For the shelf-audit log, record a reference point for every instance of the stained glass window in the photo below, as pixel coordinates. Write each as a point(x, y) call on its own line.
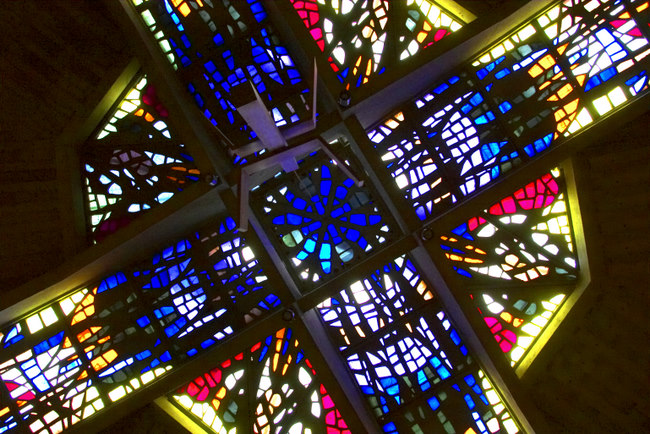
point(320, 218)
point(134, 164)
point(516, 321)
point(270, 388)
point(525, 237)
point(95, 346)
point(541, 84)
point(361, 39)
point(547, 80)
point(410, 362)
point(374, 302)
point(216, 46)
point(231, 292)
point(452, 149)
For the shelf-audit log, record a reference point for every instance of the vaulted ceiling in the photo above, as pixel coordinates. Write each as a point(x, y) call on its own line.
point(58, 61)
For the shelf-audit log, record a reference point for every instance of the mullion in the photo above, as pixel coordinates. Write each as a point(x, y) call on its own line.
point(266, 265)
point(414, 127)
point(561, 59)
point(331, 288)
point(518, 237)
point(375, 167)
point(396, 17)
point(348, 29)
point(410, 295)
point(115, 106)
point(262, 265)
point(28, 342)
point(478, 337)
point(450, 179)
point(233, 310)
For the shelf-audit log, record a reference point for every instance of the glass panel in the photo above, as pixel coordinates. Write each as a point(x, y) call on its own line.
point(135, 164)
point(216, 46)
point(407, 358)
point(524, 238)
point(516, 320)
point(546, 81)
point(374, 302)
point(79, 354)
point(320, 219)
point(270, 388)
point(360, 39)
point(445, 150)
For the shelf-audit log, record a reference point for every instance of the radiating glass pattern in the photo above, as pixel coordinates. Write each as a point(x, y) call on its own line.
point(217, 45)
point(320, 218)
point(409, 361)
point(270, 388)
point(552, 77)
point(134, 164)
point(77, 355)
point(360, 39)
point(526, 237)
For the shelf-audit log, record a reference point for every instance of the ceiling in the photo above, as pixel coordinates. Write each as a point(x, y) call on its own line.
point(58, 61)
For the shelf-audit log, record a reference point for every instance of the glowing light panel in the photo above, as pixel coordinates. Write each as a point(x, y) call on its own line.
point(574, 64)
point(407, 358)
point(355, 36)
point(524, 237)
point(216, 46)
point(78, 355)
point(320, 218)
point(134, 164)
point(270, 388)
